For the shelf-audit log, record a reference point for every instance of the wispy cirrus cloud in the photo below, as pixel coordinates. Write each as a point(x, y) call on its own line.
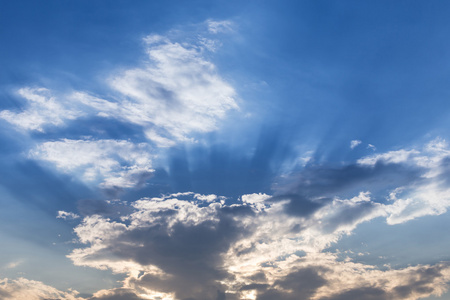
point(178, 92)
point(42, 109)
point(175, 92)
point(219, 26)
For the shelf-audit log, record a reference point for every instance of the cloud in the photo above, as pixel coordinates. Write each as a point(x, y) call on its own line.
point(408, 183)
point(354, 144)
point(13, 264)
point(168, 98)
point(191, 246)
point(219, 26)
point(43, 110)
point(113, 163)
point(365, 283)
point(195, 246)
point(66, 215)
point(24, 289)
point(175, 92)
point(170, 245)
point(394, 157)
point(428, 194)
point(120, 294)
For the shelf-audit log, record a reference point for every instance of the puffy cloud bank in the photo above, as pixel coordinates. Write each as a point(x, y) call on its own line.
point(190, 246)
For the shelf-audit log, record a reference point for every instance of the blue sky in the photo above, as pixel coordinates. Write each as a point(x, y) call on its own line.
point(179, 150)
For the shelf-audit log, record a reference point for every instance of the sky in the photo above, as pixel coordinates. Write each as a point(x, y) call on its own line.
point(224, 150)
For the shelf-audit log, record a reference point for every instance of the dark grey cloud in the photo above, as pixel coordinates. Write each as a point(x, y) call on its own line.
point(119, 294)
point(420, 283)
point(255, 286)
point(298, 285)
point(363, 293)
point(189, 254)
point(317, 181)
point(4, 294)
point(300, 205)
point(315, 186)
point(349, 215)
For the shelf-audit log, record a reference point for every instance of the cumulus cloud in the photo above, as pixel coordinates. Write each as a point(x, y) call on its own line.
point(347, 280)
point(113, 163)
point(170, 245)
point(191, 246)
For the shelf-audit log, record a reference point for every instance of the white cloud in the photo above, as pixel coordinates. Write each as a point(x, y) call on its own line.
point(42, 110)
point(66, 215)
point(370, 146)
point(115, 163)
point(271, 242)
point(418, 201)
point(428, 194)
point(264, 260)
point(354, 144)
point(219, 26)
point(24, 289)
point(176, 92)
point(394, 157)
